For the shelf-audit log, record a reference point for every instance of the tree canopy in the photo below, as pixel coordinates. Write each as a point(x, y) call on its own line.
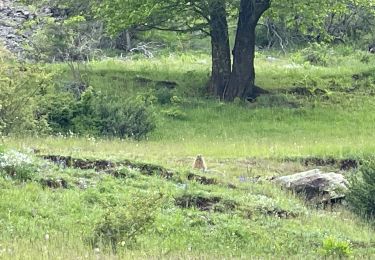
point(231, 76)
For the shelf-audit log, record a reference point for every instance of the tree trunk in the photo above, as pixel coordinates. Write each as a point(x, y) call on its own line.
point(128, 41)
point(242, 79)
point(221, 60)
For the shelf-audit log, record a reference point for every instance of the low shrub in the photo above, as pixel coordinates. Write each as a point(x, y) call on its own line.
point(122, 224)
point(315, 54)
point(175, 113)
point(361, 196)
point(21, 90)
point(335, 248)
point(17, 166)
point(95, 114)
point(128, 119)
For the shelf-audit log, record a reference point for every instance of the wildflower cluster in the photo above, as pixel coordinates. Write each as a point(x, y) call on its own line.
point(17, 165)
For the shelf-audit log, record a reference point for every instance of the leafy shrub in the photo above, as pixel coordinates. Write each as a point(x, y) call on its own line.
point(128, 119)
point(21, 90)
point(361, 195)
point(68, 40)
point(122, 224)
point(17, 165)
point(58, 108)
point(86, 119)
point(365, 58)
point(335, 248)
point(163, 95)
point(96, 114)
point(175, 112)
point(316, 54)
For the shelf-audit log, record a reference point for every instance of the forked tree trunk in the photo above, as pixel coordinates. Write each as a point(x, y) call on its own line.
point(242, 79)
point(221, 60)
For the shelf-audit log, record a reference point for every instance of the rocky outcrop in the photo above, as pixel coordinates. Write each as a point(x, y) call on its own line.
point(316, 186)
point(12, 18)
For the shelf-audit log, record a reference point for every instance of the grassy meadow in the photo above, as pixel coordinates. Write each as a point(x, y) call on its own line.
point(313, 110)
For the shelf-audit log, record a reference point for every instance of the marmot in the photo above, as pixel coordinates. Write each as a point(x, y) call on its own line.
point(199, 163)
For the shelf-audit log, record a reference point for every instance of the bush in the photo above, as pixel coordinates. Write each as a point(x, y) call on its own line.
point(17, 165)
point(122, 224)
point(175, 113)
point(21, 90)
point(128, 119)
point(361, 195)
point(58, 108)
point(96, 114)
point(335, 248)
point(163, 95)
point(316, 54)
point(71, 39)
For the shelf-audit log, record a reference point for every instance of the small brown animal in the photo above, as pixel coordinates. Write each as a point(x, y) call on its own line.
point(199, 163)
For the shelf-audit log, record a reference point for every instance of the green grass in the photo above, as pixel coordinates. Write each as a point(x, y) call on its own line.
point(281, 126)
point(242, 139)
point(30, 212)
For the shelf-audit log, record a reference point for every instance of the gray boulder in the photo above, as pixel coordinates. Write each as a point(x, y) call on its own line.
point(316, 186)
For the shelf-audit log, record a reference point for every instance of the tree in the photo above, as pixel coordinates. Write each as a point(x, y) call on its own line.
point(207, 16)
point(242, 79)
point(220, 48)
point(211, 17)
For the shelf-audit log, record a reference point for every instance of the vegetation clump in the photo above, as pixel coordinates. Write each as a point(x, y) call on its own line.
point(336, 248)
point(17, 166)
point(362, 190)
point(122, 224)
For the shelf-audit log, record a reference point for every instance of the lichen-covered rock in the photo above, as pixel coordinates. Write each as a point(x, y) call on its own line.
point(13, 33)
point(12, 19)
point(316, 185)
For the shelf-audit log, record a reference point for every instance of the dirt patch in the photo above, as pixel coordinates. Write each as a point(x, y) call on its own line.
point(68, 161)
point(201, 179)
point(54, 183)
point(203, 203)
point(307, 92)
point(280, 213)
point(342, 164)
point(348, 164)
point(109, 166)
point(158, 83)
point(151, 169)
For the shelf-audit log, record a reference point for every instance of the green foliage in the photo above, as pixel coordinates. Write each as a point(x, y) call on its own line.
point(362, 190)
point(95, 114)
point(163, 95)
point(126, 119)
point(70, 39)
point(175, 112)
point(122, 224)
point(335, 248)
point(316, 54)
point(22, 87)
point(17, 166)
point(319, 21)
point(85, 119)
point(279, 100)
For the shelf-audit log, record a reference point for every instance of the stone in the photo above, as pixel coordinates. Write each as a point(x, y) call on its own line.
point(13, 15)
point(316, 185)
